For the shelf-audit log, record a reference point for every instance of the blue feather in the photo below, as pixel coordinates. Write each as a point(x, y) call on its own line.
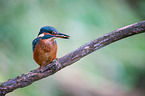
point(47, 36)
point(35, 41)
point(47, 29)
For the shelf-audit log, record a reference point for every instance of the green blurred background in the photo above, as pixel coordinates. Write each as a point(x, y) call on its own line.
point(115, 70)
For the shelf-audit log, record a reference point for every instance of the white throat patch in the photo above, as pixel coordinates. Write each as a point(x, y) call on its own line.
point(41, 35)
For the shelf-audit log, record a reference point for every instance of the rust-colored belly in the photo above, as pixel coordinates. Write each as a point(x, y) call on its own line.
point(45, 52)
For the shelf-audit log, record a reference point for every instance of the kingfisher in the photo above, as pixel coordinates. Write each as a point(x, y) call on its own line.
point(45, 46)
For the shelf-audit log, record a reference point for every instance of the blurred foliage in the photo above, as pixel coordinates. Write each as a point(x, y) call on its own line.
point(115, 70)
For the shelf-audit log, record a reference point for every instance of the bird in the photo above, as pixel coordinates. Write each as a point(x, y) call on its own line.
point(45, 46)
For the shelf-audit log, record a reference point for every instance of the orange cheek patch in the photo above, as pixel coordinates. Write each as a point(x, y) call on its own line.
point(54, 32)
point(46, 33)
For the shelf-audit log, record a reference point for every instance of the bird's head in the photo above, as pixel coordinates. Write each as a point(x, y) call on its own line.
point(48, 32)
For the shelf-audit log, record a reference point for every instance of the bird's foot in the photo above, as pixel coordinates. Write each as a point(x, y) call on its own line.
point(40, 69)
point(58, 65)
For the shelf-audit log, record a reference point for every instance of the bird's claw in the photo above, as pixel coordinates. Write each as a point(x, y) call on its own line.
point(58, 65)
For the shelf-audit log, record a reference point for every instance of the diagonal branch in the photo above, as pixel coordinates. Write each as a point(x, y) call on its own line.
point(34, 75)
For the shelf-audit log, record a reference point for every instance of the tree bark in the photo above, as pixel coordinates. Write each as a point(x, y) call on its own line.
point(37, 74)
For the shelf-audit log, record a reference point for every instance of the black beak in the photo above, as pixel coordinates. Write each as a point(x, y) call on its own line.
point(61, 35)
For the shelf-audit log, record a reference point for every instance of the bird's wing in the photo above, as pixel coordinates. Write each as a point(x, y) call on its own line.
point(35, 41)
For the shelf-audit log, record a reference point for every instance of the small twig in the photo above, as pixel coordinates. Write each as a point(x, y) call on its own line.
point(30, 77)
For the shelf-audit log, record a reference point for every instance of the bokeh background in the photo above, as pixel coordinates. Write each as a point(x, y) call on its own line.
point(115, 70)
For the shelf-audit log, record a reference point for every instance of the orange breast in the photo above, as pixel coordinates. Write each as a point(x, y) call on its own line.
point(45, 51)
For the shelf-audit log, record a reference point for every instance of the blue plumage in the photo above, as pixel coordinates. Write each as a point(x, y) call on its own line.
point(48, 29)
point(45, 47)
point(35, 41)
point(47, 36)
point(48, 32)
